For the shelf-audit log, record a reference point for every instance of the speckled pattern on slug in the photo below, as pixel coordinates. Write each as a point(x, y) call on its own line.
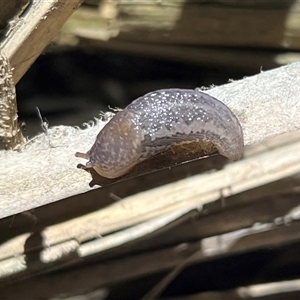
point(177, 115)
point(159, 120)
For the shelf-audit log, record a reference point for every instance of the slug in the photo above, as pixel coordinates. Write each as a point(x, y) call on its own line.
point(177, 119)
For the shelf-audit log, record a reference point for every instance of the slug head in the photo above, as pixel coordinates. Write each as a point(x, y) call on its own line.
point(117, 148)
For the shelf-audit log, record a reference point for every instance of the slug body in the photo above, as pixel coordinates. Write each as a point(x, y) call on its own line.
point(160, 120)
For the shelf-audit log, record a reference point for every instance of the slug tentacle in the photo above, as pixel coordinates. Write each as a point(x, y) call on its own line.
point(179, 119)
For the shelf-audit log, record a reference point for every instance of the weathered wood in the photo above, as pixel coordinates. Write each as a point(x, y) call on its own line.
point(45, 171)
point(103, 273)
point(214, 33)
point(226, 23)
point(68, 243)
point(157, 210)
point(184, 22)
point(10, 131)
point(191, 193)
point(33, 31)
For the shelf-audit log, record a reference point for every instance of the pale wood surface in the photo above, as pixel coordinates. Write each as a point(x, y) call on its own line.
point(159, 207)
point(46, 170)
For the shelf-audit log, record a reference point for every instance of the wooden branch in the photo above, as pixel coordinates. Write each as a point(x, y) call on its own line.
point(33, 31)
point(45, 171)
point(149, 214)
point(168, 205)
point(125, 268)
point(10, 131)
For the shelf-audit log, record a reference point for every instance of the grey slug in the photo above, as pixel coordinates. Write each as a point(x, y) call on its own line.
point(160, 120)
